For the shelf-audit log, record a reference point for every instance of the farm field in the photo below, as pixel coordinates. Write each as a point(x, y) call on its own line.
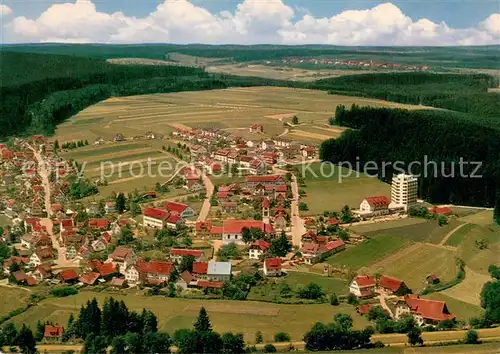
point(12, 299)
point(247, 317)
point(483, 218)
point(414, 263)
point(234, 108)
point(427, 231)
point(385, 225)
point(480, 247)
point(469, 289)
point(339, 190)
point(369, 252)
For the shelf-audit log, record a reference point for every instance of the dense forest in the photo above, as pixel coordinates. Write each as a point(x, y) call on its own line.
point(39, 91)
point(461, 93)
point(388, 135)
point(451, 57)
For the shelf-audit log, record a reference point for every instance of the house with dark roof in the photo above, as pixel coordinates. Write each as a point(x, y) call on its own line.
point(424, 311)
point(122, 257)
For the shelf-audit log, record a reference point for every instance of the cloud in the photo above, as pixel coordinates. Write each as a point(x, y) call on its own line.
point(5, 11)
point(253, 21)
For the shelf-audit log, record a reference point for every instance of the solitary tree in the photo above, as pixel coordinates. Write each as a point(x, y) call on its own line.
point(295, 120)
point(471, 337)
point(258, 337)
point(415, 336)
point(203, 322)
point(120, 203)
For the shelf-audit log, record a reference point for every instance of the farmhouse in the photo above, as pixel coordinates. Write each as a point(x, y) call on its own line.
point(258, 248)
point(200, 270)
point(42, 255)
point(272, 267)
point(176, 254)
point(89, 278)
point(391, 285)
point(232, 229)
point(155, 272)
point(53, 334)
point(313, 252)
point(21, 261)
point(363, 286)
point(68, 276)
point(424, 311)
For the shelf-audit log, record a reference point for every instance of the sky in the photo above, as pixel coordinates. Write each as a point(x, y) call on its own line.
point(338, 22)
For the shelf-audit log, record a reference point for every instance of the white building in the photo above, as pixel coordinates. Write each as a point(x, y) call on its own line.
point(219, 271)
point(403, 191)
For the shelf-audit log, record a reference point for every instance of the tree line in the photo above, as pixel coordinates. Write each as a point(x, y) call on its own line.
point(437, 140)
point(464, 93)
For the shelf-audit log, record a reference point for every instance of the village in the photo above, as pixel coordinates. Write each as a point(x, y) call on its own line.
point(62, 242)
point(365, 64)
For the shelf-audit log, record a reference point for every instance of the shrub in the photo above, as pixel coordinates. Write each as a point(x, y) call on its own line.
point(63, 292)
point(471, 337)
point(269, 348)
point(334, 301)
point(282, 337)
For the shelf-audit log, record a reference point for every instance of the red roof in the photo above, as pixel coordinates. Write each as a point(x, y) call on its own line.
point(273, 263)
point(264, 179)
point(89, 278)
point(333, 221)
point(106, 269)
point(186, 252)
point(390, 283)
point(222, 195)
point(68, 274)
point(309, 248)
point(441, 210)
point(179, 208)
point(120, 253)
point(53, 331)
point(15, 259)
point(379, 201)
point(203, 225)
point(263, 245)
point(210, 284)
point(236, 226)
point(429, 309)
point(65, 223)
point(93, 264)
point(173, 219)
point(98, 223)
point(332, 245)
point(364, 309)
point(56, 207)
point(156, 267)
point(281, 188)
point(365, 281)
point(216, 230)
point(156, 213)
point(200, 268)
point(265, 203)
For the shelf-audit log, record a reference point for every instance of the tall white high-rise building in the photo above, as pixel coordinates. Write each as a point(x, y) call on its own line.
point(403, 191)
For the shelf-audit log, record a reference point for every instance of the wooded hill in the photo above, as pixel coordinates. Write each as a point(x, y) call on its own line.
point(390, 135)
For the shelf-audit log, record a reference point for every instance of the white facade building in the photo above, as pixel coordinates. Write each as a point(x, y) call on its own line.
point(403, 191)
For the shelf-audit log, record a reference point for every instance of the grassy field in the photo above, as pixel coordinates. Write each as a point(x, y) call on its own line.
point(469, 290)
point(12, 299)
point(247, 317)
point(427, 231)
point(324, 179)
point(484, 218)
point(368, 252)
point(480, 247)
point(386, 225)
point(271, 290)
point(412, 264)
point(463, 310)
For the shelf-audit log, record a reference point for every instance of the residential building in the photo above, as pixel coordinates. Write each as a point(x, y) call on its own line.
point(68, 276)
point(155, 272)
point(176, 254)
point(275, 180)
point(272, 267)
point(183, 210)
point(363, 286)
point(53, 334)
point(424, 311)
point(89, 278)
point(219, 271)
point(257, 249)
point(42, 255)
point(391, 285)
point(200, 270)
point(313, 252)
point(403, 191)
point(232, 229)
point(122, 257)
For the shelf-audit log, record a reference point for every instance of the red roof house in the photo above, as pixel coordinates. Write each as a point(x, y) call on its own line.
point(53, 333)
point(68, 275)
point(89, 278)
point(424, 311)
point(390, 284)
point(272, 266)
